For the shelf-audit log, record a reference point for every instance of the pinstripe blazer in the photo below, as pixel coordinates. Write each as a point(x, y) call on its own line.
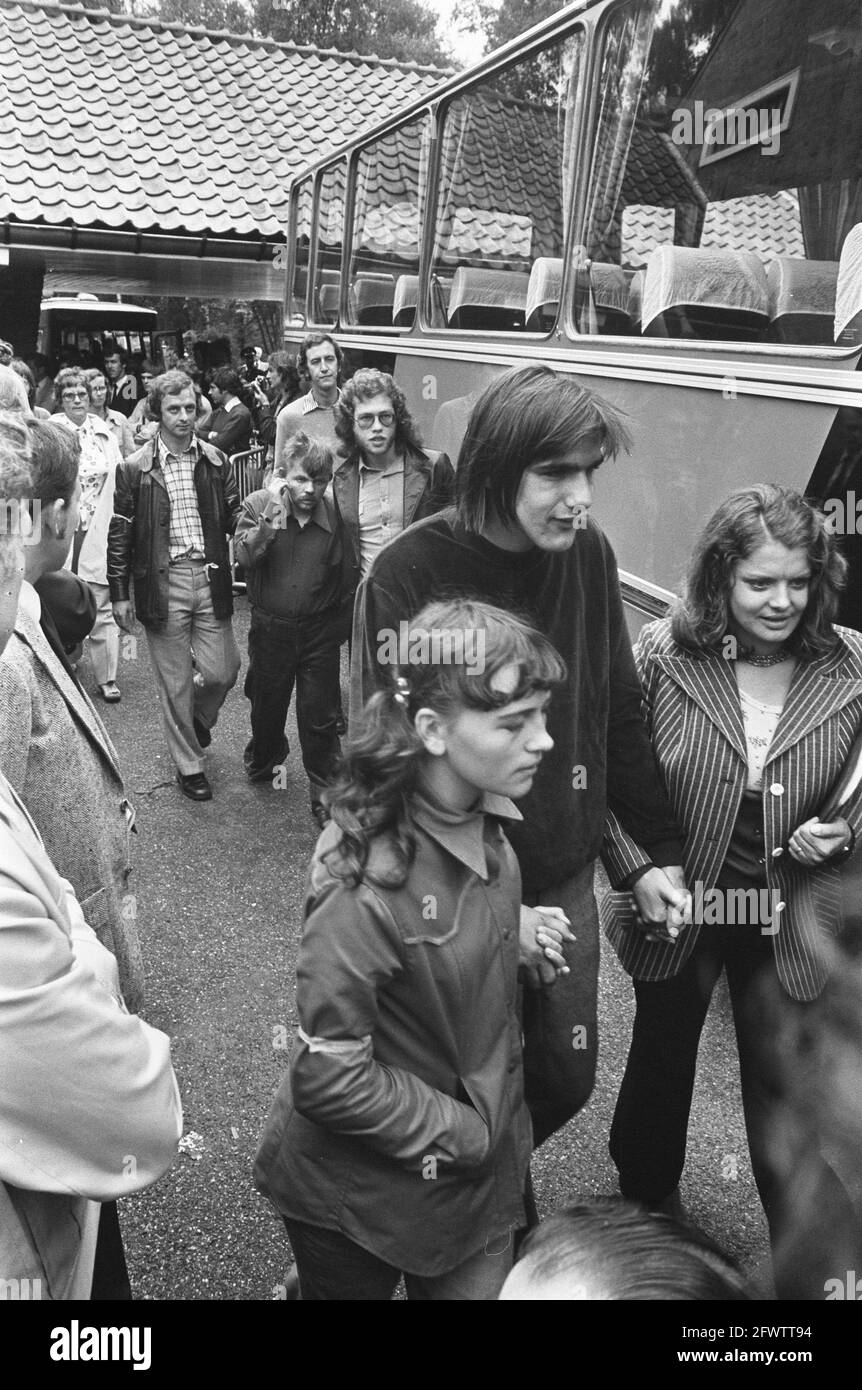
point(692, 707)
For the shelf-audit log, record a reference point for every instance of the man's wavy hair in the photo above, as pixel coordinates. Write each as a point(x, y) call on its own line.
point(313, 340)
point(170, 383)
point(744, 521)
point(526, 415)
point(364, 384)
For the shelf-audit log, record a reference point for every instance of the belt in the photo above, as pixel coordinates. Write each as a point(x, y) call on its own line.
point(188, 560)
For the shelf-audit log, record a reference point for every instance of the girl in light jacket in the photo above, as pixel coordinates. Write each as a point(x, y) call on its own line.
point(753, 699)
point(399, 1141)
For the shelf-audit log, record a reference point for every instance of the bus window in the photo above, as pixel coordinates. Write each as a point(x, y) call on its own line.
point(302, 244)
point(327, 251)
point(503, 193)
point(384, 254)
point(724, 180)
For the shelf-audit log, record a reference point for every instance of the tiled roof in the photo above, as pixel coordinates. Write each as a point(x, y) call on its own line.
point(123, 123)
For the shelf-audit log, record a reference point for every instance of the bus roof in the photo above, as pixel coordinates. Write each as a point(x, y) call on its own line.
point(88, 304)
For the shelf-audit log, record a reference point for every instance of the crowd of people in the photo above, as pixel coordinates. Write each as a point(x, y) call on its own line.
point(501, 735)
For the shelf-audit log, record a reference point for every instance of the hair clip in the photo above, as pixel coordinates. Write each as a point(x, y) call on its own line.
point(402, 691)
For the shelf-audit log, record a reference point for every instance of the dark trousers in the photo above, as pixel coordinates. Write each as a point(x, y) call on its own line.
point(650, 1124)
point(304, 653)
point(334, 1268)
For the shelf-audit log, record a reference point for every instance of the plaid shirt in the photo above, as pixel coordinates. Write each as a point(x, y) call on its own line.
point(187, 532)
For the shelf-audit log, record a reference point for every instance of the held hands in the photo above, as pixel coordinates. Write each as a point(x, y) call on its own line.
point(542, 932)
point(124, 615)
point(815, 840)
point(662, 903)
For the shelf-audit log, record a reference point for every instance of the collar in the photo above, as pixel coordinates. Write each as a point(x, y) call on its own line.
point(395, 467)
point(310, 403)
point(229, 403)
point(462, 833)
point(165, 453)
point(94, 424)
point(29, 602)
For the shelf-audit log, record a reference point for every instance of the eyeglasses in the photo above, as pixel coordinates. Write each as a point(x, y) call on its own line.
point(75, 395)
point(386, 418)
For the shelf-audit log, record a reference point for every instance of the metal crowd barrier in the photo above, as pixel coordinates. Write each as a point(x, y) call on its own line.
point(249, 469)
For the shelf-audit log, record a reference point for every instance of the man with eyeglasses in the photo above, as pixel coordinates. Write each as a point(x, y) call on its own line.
point(320, 360)
point(387, 481)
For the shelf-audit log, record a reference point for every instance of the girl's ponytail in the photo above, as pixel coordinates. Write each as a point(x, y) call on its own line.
point(371, 791)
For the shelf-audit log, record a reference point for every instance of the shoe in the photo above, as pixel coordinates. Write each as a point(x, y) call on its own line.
point(202, 733)
point(110, 693)
point(321, 815)
point(195, 786)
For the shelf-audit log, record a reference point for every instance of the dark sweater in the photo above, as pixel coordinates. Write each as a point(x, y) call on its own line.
point(595, 721)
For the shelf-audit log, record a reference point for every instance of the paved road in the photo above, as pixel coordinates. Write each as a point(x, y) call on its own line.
point(219, 892)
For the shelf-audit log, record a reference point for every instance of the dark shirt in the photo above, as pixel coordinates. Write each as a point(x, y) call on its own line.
point(292, 571)
point(573, 597)
point(228, 430)
point(123, 395)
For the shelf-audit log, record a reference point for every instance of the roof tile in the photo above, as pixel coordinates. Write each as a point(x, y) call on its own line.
point(111, 122)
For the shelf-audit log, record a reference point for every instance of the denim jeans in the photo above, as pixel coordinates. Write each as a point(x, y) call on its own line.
point(281, 654)
point(334, 1268)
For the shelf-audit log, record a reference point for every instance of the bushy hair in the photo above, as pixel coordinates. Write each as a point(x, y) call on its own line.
point(285, 364)
point(13, 392)
point(171, 383)
point(364, 384)
point(315, 457)
point(614, 1250)
point(21, 369)
point(526, 415)
point(228, 380)
point(69, 376)
point(740, 525)
point(313, 340)
point(380, 768)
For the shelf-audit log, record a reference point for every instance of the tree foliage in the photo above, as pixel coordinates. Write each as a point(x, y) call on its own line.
point(402, 29)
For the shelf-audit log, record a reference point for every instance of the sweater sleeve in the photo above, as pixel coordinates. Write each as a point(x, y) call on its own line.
point(350, 950)
point(635, 791)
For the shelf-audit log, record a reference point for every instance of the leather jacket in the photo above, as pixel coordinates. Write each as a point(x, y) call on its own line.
point(429, 486)
point(139, 534)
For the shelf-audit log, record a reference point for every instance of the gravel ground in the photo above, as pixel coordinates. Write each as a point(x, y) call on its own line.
point(219, 889)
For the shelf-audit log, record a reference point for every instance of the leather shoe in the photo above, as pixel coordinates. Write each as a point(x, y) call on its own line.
point(195, 786)
point(110, 692)
point(202, 733)
point(321, 815)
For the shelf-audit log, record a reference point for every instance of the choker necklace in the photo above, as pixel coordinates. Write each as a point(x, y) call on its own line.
point(759, 659)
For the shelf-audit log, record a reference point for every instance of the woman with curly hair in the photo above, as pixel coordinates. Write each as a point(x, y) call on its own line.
point(399, 1141)
point(753, 698)
point(387, 480)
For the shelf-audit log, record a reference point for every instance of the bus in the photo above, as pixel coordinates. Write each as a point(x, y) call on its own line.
point(78, 324)
point(661, 197)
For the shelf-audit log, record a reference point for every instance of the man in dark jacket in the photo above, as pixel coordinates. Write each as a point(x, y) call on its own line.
point(520, 536)
point(176, 502)
point(387, 480)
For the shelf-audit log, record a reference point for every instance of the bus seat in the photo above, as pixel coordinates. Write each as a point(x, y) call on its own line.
point(373, 295)
point(325, 300)
point(485, 300)
point(801, 299)
point(543, 293)
point(405, 301)
point(848, 296)
point(636, 297)
point(706, 294)
point(602, 299)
